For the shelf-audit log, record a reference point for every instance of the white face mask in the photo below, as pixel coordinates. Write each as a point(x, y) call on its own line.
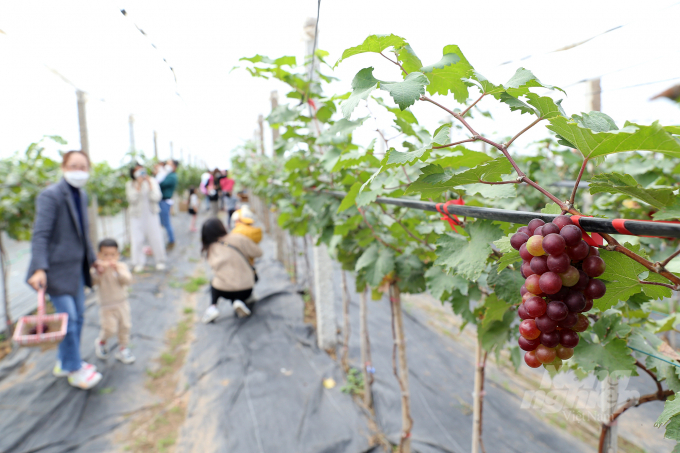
point(169, 168)
point(77, 178)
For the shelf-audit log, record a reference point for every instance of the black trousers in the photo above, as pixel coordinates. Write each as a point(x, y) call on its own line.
point(230, 295)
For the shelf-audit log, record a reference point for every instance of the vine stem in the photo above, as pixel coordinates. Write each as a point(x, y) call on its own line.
point(667, 260)
point(666, 285)
point(395, 62)
point(455, 143)
point(578, 181)
point(472, 105)
point(659, 388)
point(375, 235)
point(401, 373)
point(409, 232)
point(522, 131)
point(499, 182)
point(344, 358)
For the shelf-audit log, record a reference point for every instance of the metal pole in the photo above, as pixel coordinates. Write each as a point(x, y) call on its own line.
point(85, 147)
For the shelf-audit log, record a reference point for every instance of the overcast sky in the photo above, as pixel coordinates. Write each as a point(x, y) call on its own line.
point(210, 110)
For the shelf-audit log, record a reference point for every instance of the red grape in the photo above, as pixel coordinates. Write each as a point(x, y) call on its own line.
point(564, 353)
point(554, 244)
point(535, 223)
point(550, 283)
point(539, 264)
point(579, 251)
point(571, 234)
point(550, 339)
point(524, 230)
point(528, 329)
point(539, 231)
point(570, 277)
point(531, 360)
point(518, 239)
point(558, 263)
point(575, 301)
point(527, 296)
point(588, 307)
point(568, 338)
point(532, 284)
point(595, 289)
point(559, 295)
point(535, 306)
point(530, 345)
point(550, 228)
point(526, 269)
point(581, 325)
point(568, 322)
point(523, 290)
point(544, 324)
point(545, 354)
point(594, 266)
point(594, 252)
point(522, 312)
point(583, 280)
point(524, 253)
point(562, 220)
point(535, 245)
point(557, 310)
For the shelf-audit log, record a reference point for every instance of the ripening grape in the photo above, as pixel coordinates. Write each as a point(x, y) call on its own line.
point(521, 311)
point(525, 230)
point(532, 284)
point(539, 231)
point(539, 264)
point(583, 280)
point(535, 306)
point(550, 228)
point(570, 277)
point(572, 235)
point(595, 289)
point(526, 269)
point(544, 324)
point(518, 239)
point(531, 360)
point(558, 263)
point(579, 251)
point(559, 295)
point(554, 244)
point(527, 296)
point(524, 253)
point(594, 266)
point(562, 220)
point(594, 252)
point(581, 325)
point(588, 307)
point(535, 245)
point(535, 223)
point(568, 322)
point(550, 283)
point(564, 353)
point(545, 354)
point(568, 338)
point(530, 345)
point(550, 339)
point(528, 329)
point(575, 301)
point(523, 290)
point(557, 310)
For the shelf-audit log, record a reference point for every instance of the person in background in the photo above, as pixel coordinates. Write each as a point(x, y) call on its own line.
point(113, 278)
point(143, 194)
point(217, 183)
point(61, 257)
point(226, 186)
point(244, 225)
point(168, 190)
point(193, 208)
point(243, 211)
point(230, 203)
point(214, 197)
point(205, 179)
point(229, 257)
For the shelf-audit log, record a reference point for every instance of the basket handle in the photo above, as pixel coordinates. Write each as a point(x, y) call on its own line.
point(41, 310)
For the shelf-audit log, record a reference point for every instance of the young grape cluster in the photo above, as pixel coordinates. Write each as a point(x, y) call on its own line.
point(560, 270)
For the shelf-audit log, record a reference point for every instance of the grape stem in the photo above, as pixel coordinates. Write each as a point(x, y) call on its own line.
point(409, 232)
point(578, 180)
point(375, 235)
point(662, 264)
point(499, 182)
point(395, 62)
point(455, 143)
point(522, 131)
point(472, 105)
point(666, 285)
point(659, 388)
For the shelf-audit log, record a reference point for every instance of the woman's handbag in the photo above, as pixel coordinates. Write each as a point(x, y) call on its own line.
point(247, 261)
point(40, 329)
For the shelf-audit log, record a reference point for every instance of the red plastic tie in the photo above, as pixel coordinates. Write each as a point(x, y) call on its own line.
point(620, 226)
point(594, 240)
point(311, 102)
point(453, 221)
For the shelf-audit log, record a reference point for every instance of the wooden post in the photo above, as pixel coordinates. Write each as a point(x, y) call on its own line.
point(324, 298)
point(294, 252)
point(274, 98)
point(477, 398)
point(594, 94)
point(608, 401)
point(367, 368)
point(5, 291)
point(260, 124)
point(131, 123)
point(344, 357)
point(155, 145)
point(92, 213)
point(401, 370)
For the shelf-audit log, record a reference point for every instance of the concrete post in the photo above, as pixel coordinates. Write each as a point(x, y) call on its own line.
point(608, 400)
point(324, 298)
point(92, 214)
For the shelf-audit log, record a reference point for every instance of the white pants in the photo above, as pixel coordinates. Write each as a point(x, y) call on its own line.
point(148, 227)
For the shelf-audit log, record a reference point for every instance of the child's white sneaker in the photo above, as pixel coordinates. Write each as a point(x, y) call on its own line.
point(84, 378)
point(125, 356)
point(210, 315)
point(138, 269)
point(100, 349)
point(58, 371)
point(241, 309)
point(160, 267)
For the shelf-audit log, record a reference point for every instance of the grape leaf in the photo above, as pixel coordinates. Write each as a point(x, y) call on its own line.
point(350, 198)
point(339, 132)
point(596, 121)
point(551, 208)
point(673, 432)
point(446, 75)
point(545, 107)
point(507, 285)
point(503, 244)
point(485, 86)
point(408, 58)
point(440, 284)
point(492, 191)
point(522, 80)
point(670, 409)
point(633, 137)
point(671, 212)
point(282, 114)
point(376, 262)
point(355, 157)
point(494, 309)
point(516, 104)
point(411, 278)
point(467, 258)
point(362, 86)
point(613, 356)
point(621, 276)
point(395, 158)
point(367, 197)
point(497, 333)
point(626, 184)
point(460, 156)
point(373, 43)
point(407, 92)
point(507, 259)
point(610, 326)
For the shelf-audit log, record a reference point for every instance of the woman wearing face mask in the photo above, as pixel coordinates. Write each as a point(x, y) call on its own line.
point(143, 194)
point(61, 257)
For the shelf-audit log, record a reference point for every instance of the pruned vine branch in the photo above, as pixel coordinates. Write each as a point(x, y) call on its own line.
point(375, 235)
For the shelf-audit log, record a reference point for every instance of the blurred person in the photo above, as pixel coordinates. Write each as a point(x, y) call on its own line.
point(194, 206)
point(61, 257)
point(112, 277)
point(243, 224)
point(214, 197)
point(226, 186)
point(243, 210)
point(168, 186)
point(143, 194)
point(231, 203)
point(229, 257)
point(206, 176)
point(217, 182)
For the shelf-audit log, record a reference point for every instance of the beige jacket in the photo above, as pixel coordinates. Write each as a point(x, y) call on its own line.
point(231, 271)
point(136, 198)
point(112, 284)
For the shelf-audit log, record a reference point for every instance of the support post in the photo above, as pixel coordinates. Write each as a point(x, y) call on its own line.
point(367, 369)
point(324, 298)
point(274, 98)
point(260, 125)
point(477, 398)
point(594, 95)
point(401, 368)
point(608, 400)
point(85, 147)
point(344, 357)
point(155, 145)
point(131, 123)
point(5, 290)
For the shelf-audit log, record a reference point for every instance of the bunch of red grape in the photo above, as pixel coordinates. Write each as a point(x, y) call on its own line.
point(560, 270)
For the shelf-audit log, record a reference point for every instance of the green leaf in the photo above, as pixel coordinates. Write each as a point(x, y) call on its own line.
point(545, 106)
point(367, 258)
point(350, 198)
point(494, 310)
point(524, 79)
point(374, 43)
point(503, 244)
point(551, 208)
point(673, 432)
point(408, 58)
point(339, 132)
point(596, 121)
point(670, 409)
point(515, 104)
point(395, 158)
point(507, 285)
point(671, 212)
point(626, 184)
point(406, 93)
point(459, 156)
point(464, 257)
point(446, 75)
point(441, 284)
point(613, 356)
point(367, 197)
point(492, 191)
point(497, 333)
point(507, 259)
point(633, 137)
point(362, 86)
point(485, 86)
point(383, 265)
point(610, 326)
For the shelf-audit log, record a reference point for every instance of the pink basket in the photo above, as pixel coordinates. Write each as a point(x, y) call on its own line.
point(36, 330)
